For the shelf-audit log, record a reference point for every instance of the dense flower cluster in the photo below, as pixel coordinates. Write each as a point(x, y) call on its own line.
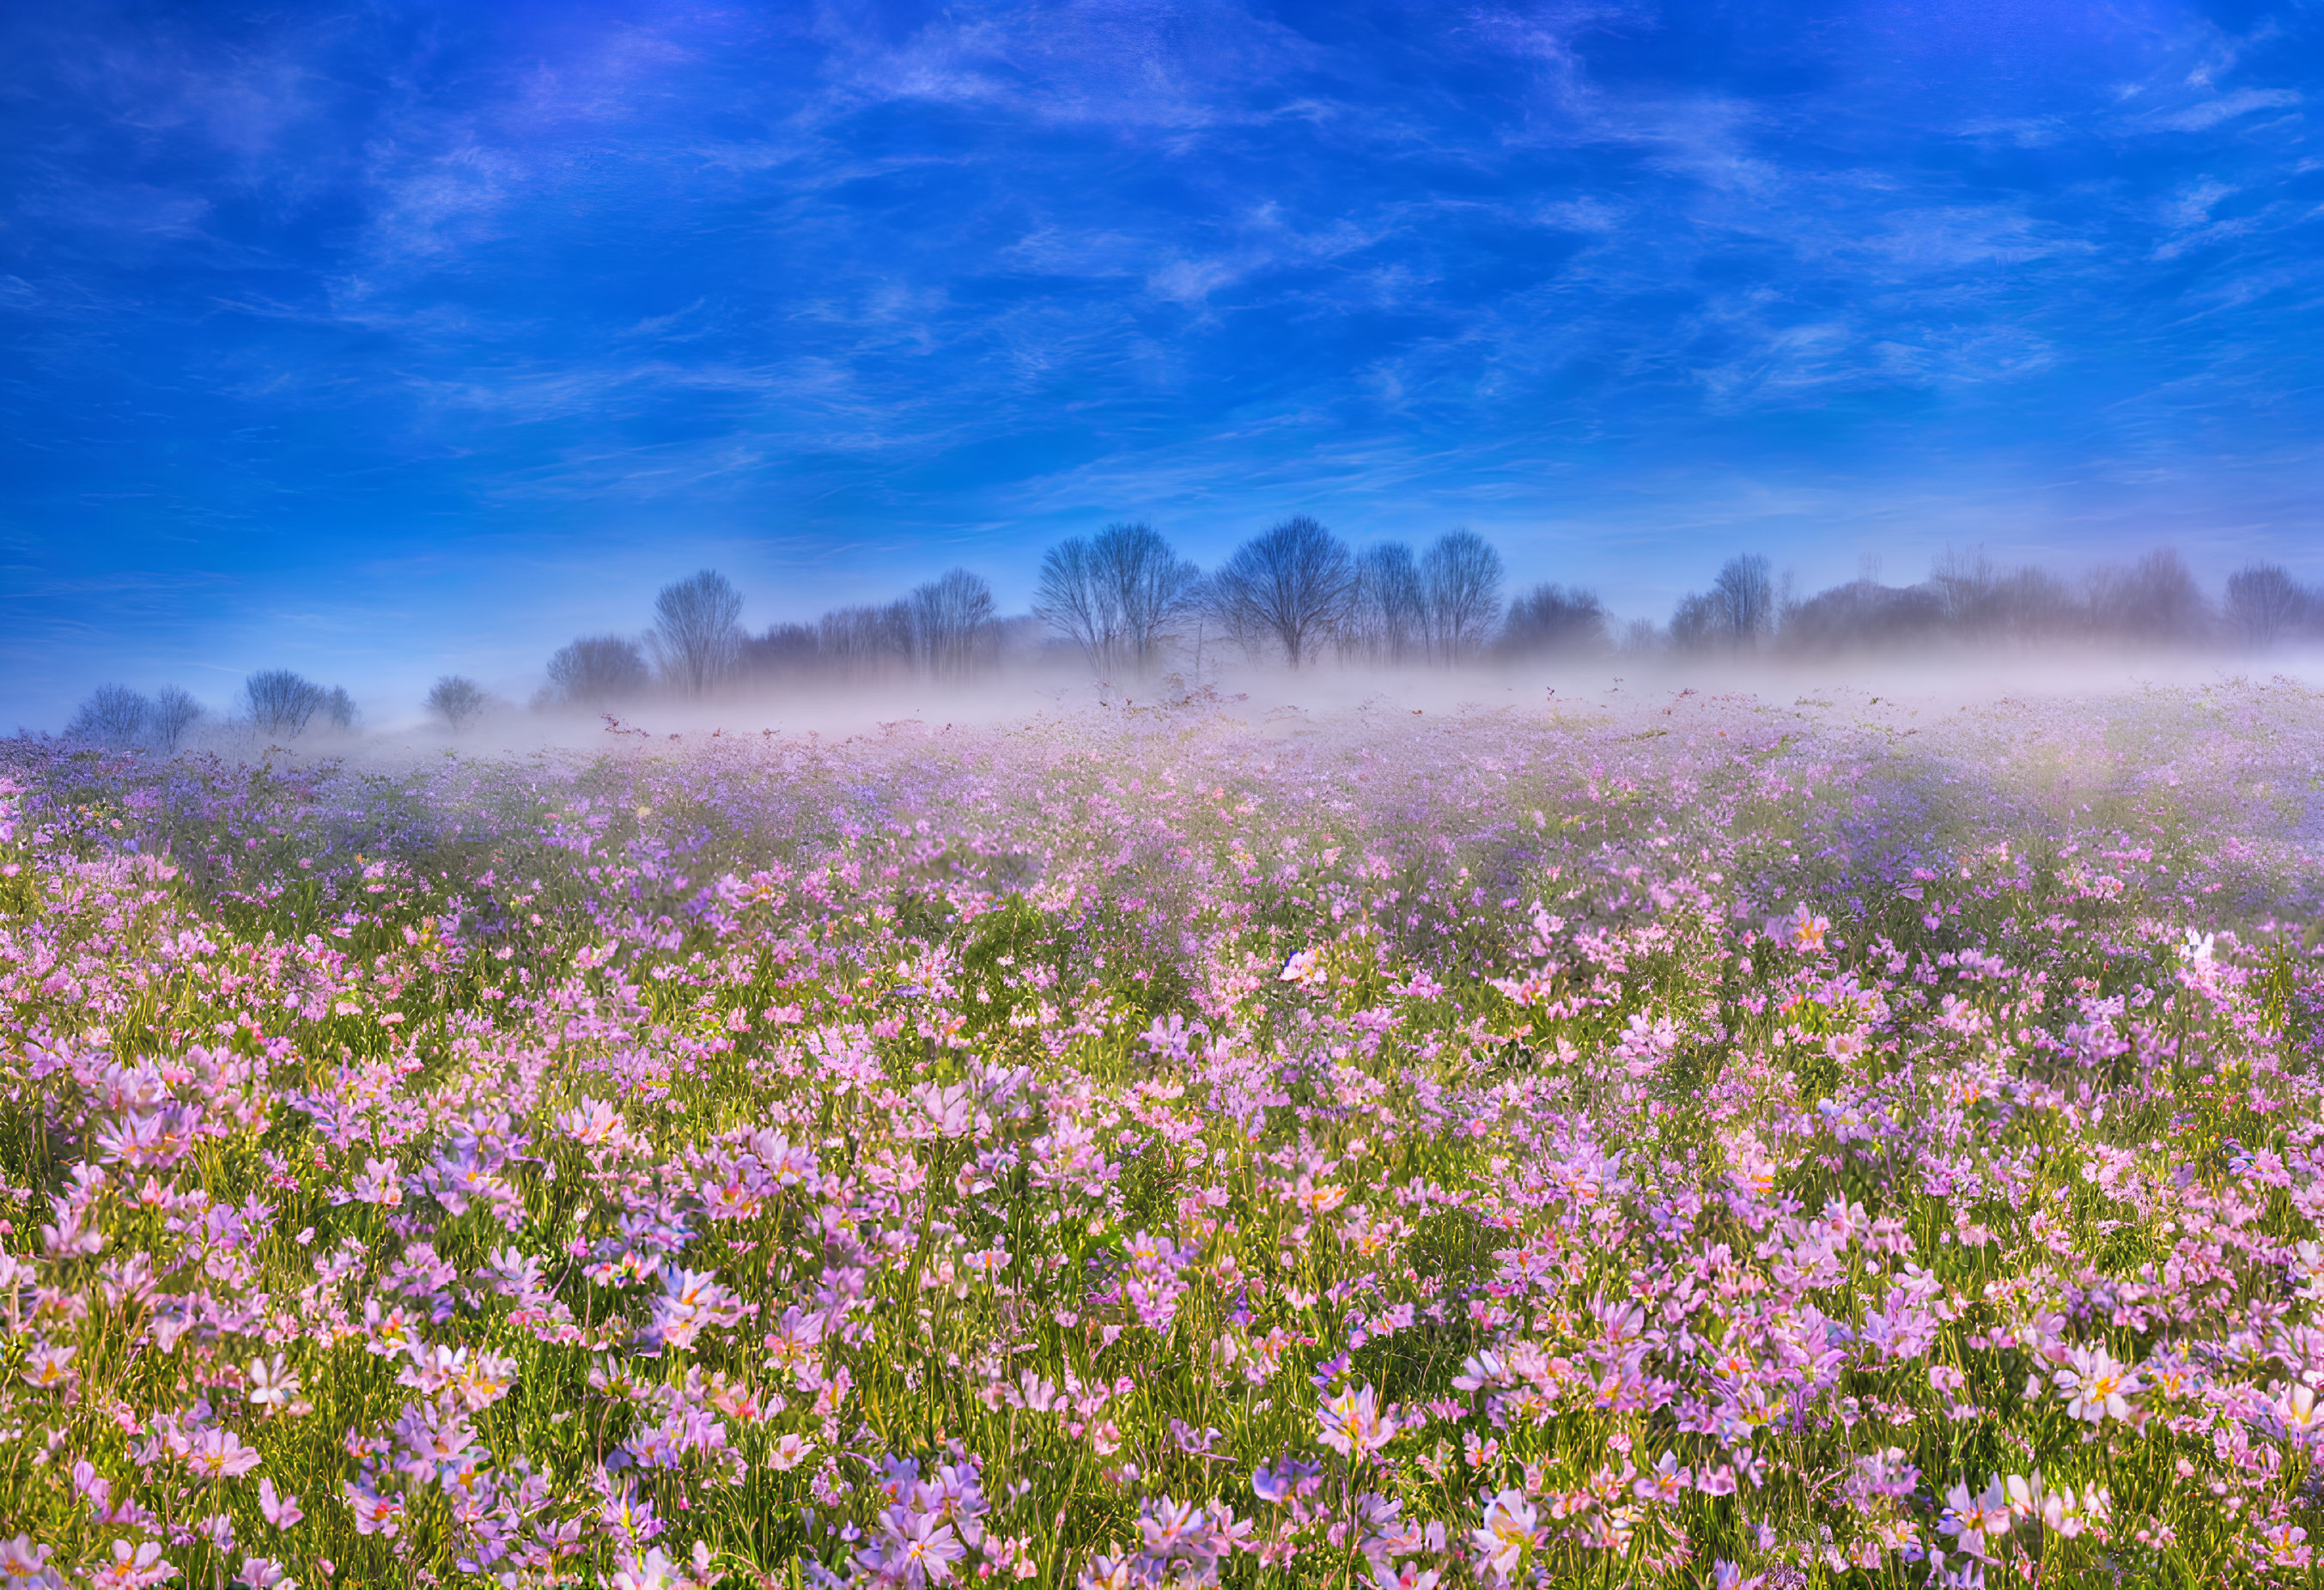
point(1705, 1142)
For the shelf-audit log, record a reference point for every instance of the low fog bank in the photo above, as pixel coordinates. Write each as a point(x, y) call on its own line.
point(1269, 700)
point(1295, 622)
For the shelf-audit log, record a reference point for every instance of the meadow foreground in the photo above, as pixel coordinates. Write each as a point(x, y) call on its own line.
point(1690, 1142)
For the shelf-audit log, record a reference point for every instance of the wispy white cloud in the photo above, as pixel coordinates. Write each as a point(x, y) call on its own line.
point(1153, 69)
point(2207, 113)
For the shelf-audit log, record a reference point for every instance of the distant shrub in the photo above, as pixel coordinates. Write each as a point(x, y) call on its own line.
point(1554, 620)
point(457, 699)
point(1864, 616)
point(596, 670)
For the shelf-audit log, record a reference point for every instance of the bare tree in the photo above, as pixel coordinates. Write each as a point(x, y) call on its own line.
point(339, 708)
point(458, 700)
point(1388, 617)
point(281, 702)
point(1737, 611)
point(173, 712)
point(1292, 584)
point(1070, 597)
point(1696, 624)
point(1552, 619)
point(865, 641)
point(114, 716)
point(952, 623)
point(1969, 591)
point(1152, 587)
point(1744, 596)
point(1463, 577)
point(2155, 601)
point(695, 632)
point(2264, 603)
point(596, 670)
point(1115, 597)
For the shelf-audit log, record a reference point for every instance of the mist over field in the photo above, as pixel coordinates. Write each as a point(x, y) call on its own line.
point(1273, 699)
point(1295, 618)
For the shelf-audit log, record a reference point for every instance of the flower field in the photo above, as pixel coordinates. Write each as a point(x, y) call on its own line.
point(1697, 1142)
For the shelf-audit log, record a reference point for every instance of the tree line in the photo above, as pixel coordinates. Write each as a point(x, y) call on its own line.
point(274, 702)
point(1126, 604)
point(1123, 601)
point(1969, 599)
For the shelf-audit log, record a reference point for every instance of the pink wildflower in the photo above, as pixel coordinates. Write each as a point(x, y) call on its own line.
point(1351, 1424)
point(49, 1367)
point(133, 1568)
point(282, 1512)
point(220, 1454)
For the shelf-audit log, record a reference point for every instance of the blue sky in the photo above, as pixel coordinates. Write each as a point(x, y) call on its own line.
point(389, 339)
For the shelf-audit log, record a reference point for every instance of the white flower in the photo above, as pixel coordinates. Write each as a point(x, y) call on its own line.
point(272, 1385)
point(1507, 1533)
point(2096, 1386)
